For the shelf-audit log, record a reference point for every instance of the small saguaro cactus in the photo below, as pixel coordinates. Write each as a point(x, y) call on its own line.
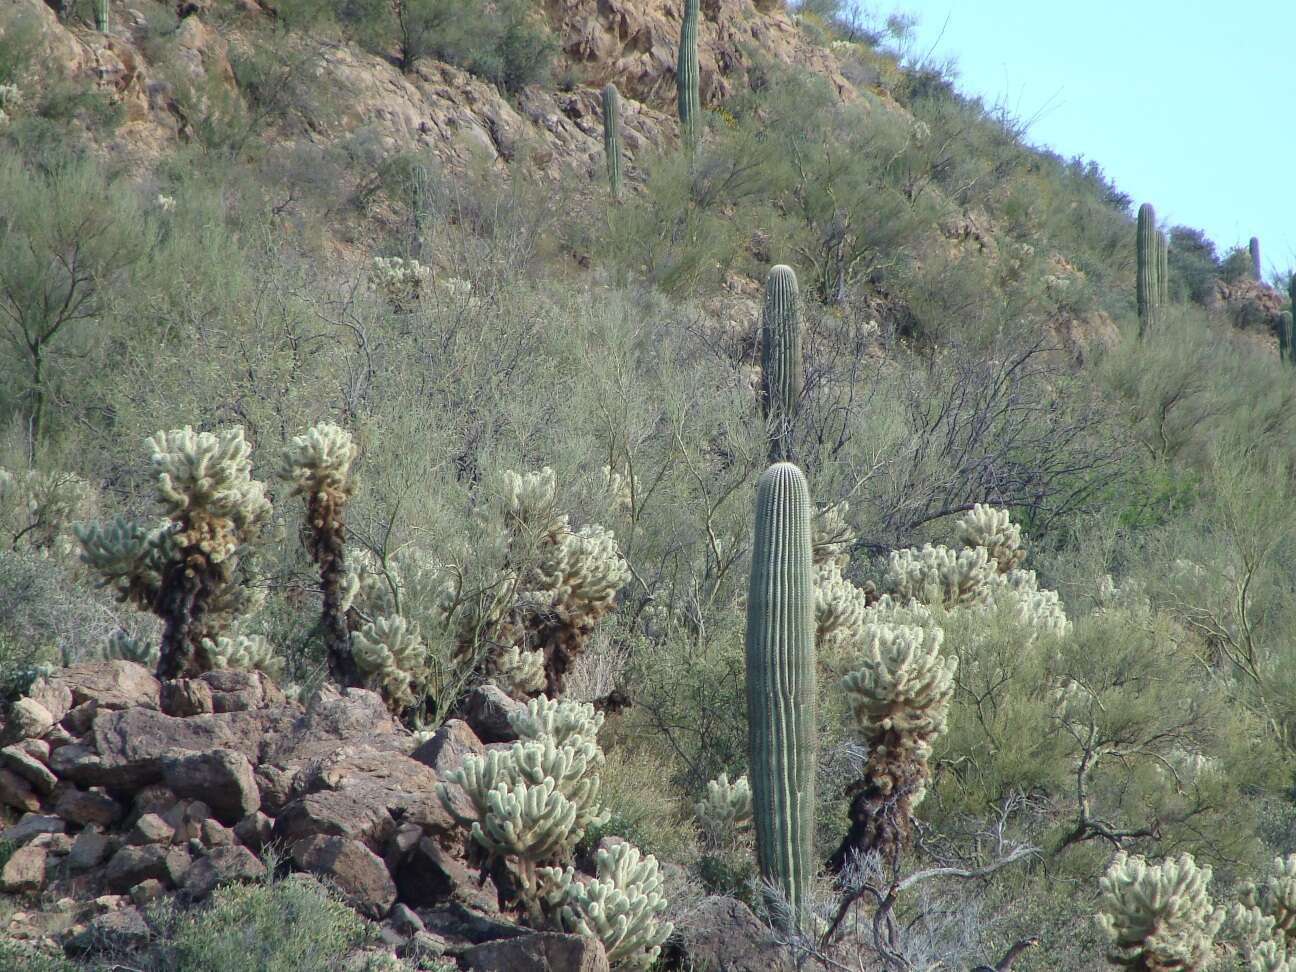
point(612, 137)
point(688, 95)
point(1163, 269)
point(1146, 267)
point(101, 16)
point(782, 370)
point(781, 685)
point(1284, 335)
point(1254, 248)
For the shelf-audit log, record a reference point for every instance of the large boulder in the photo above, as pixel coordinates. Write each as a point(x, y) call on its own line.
point(446, 750)
point(336, 813)
point(238, 691)
point(31, 825)
point(88, 807)
point(24, 872)
point(21, 760)
point(121, 930)
point(722, 935)
point(429, 875)
point(221, 778)
point(538, 952)
point(221, 865)
point(486, 710)
point(109, 684)
point(357, 871)
point(16, 792)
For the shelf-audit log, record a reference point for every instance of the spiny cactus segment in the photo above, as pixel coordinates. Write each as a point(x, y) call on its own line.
point(688, 95)
point(612, 137)
point(1146, 268)
point(1257, 269)
point(1159, 917)
point(782, 368)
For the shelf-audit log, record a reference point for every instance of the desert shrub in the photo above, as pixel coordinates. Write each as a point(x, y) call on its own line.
point(275, 926)
point(29, 958)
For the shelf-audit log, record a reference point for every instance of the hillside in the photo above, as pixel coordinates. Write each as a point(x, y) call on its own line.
point(348, 410)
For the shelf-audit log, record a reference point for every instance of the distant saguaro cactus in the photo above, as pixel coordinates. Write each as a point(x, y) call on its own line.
point(1284, 335)
point(1254, 248)
point(612, 137)
point(688, 95)
point(782, 370)
point(101, 16)
point(1146, 264)
point(1163, 269)
point(781, 684)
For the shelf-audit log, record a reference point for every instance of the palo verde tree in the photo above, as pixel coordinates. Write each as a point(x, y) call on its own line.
point(65, 235)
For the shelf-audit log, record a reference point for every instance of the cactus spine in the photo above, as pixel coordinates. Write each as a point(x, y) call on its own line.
point(101, 16)
point(1163, 269)
point(1254, 248)
point(781, 684)
point(1146, 261)
point(688, 95)
point(612, 137)
point(782, 372)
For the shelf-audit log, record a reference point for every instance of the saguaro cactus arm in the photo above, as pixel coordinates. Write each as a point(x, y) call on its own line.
point(782, 369)
point(688, 94)
point(612, 137)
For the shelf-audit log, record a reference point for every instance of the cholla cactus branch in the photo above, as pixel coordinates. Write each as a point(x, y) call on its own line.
point(318, 466)
point(1159, 917)
point(725, 810)
point(390, 656)
point(993, 529)
point(244, 652)
point(1275, 896)
point(938, 575)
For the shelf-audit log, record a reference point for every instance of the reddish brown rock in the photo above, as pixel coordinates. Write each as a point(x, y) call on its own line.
point(186, 697)
point(446, 750)
point(254, 831)
point(29, 719)
point(221, 865)
point(538, 952)
point(357, 871)
point(24, 872)
point(131, 865)
point(19, 760)
point(112, 684)
point(335, 813)
point(16, 792)
point(221, 778)
point(88, 807)
point(150, 829)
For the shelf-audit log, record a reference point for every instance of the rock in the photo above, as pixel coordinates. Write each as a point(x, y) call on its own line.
point(186, 697)
point(446, 750)
point(212, 834)
point(16, 792)
point(58, 736)
point(131, 865)
point(178, 862)
point(24, 872)
point(89, 850)
point(405, 920)
point(336, 813)
point(723, 935)
point(21, 762)
point(424, 949)
point(486, 710)
point(55, 697)
point(221, 778)
point(401, 843)
point(254, 831)
point(88, 807)
point(147, 891)
point(454, 922)
point(154, 798)
point(77, 764)
point(150, 829)
point(538, 952)
point(81, 717)
point(56, 844)
point(222, 865)
point(238, 691)
point(123, 929)
point(275, 785)
point(30, 825)
point(357, 871)
point(29, 719)
point(363, 767)
point(113, 684)
point(354, 717)
point(430, 875)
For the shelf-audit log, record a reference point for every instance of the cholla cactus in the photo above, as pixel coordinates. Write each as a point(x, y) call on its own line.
point(122, 646)
point(391, 658)
point(37, 509)
point(1258, 939)
point(560, 583)
point(1036, 610)
point(187, 569)
point(900, 696)
point(535, 800)
point(725, 810)
point(400, 281)
point(938, 575)
point(166, 203)
point(245, 653)
point(318, 465)
point(518, 672)
point(1159, 916)
point(993, 529)
point(841, 609)
point(619, 908)
point(1276, 896)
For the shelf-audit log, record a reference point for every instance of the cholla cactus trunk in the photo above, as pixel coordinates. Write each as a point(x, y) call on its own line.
point(327, 546)
point(101, 16)
point(1163, 269)
point(688, 95)
point(1146, 260)
point(782, 370)
point(612, 137)
point(188, 586)
point(1254, 248)
point(781, 684)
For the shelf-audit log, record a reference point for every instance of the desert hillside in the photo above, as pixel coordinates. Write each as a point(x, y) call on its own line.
point(618, 485)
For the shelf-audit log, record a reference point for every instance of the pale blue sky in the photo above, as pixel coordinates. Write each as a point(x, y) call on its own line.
point(1186, 104)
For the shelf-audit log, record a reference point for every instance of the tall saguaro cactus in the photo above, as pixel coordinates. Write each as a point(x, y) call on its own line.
point(1163, 269)
point(782, 370)
point(612, 137)
point(1146, 264)
point(1254, 248)
point(688, 95)
point(781, 684)
point(101, 16)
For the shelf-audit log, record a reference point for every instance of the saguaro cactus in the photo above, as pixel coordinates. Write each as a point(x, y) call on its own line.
point(1163, 269)
point(1146, 260)
point(782, 371)
point(1254, 248)
point(612, 137)
point(688, 95)
point(101, 16)
point(781, 684)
